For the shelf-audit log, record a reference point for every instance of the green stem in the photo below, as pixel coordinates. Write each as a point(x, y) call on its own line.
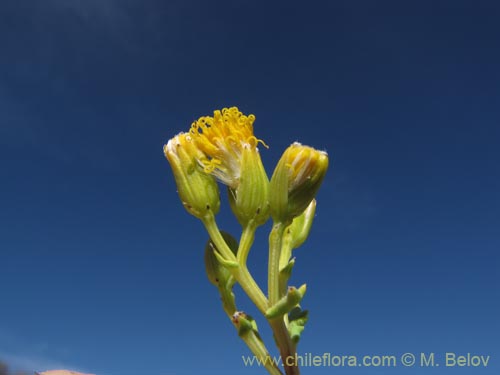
point(285, 344)
point(259, 350)
point(241, 274)
point(285, 255)
point(250, 338)
point(275, 239)
point(246, 241)
point(286, 248)
point(248, 284)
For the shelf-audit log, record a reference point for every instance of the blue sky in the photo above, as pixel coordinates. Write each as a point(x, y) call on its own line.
point(101, 269)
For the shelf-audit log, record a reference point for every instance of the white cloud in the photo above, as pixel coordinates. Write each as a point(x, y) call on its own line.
point(29, 363)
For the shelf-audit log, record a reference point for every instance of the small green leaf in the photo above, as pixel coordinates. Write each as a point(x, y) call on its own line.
point(297, 319)
point(287, 303)
point(218, 273)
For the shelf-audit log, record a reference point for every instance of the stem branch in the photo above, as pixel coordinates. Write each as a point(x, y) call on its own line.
point(241, 274)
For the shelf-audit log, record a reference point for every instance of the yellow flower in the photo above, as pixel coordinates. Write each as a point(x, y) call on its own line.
point(229, 152)
point(224, 139)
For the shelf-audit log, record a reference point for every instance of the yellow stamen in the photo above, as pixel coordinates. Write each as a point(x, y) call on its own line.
point(222, 139)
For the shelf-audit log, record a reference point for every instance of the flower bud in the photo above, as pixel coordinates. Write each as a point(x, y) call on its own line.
point(197, 190)
point(296, 180)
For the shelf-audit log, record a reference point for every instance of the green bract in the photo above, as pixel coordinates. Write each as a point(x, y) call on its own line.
point(250, 200)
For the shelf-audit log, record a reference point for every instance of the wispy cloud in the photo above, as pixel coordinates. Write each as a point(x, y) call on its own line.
point(28, 355)
point(30, 363)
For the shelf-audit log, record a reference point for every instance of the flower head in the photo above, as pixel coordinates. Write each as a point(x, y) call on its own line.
point(197, 190)
point(223, 139)
point(228, 151)
point(296, 180)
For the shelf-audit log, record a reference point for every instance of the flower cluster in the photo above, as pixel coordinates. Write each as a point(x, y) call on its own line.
point(224, 149)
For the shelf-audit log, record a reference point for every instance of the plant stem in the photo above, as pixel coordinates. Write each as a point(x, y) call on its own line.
point(259, 350)
point(241, 274)
point(275, 239)
point(248, 284)
point(285, 255)
point(246, 241)
point(285, 344)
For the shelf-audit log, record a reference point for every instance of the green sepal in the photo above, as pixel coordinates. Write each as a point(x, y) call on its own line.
point(297, 319)
point(287, 303)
